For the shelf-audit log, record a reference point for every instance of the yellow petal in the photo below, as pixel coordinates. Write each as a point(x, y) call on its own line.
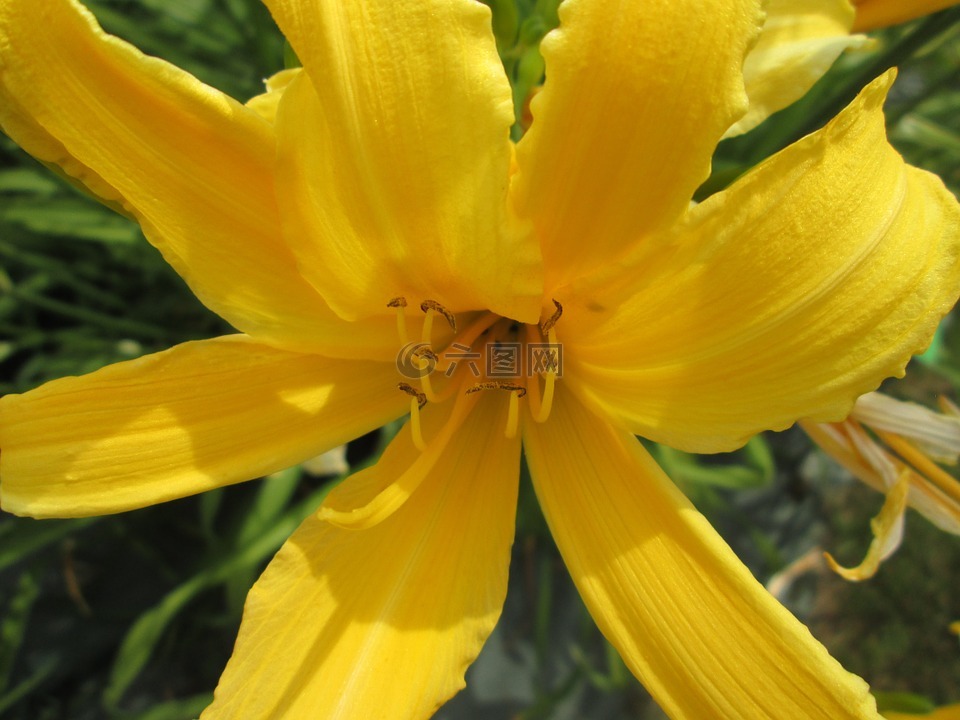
point(855, 450)
point(887, 529)
point(198, 416)
point(872, 14)
point(936, 434)
point(374, 494)
point(688, 618)
point(394, 160)
point(383, 622)
point(266, 103)
point(803, 286)
point(798, 44)
point(636, 97)
point(193, 166)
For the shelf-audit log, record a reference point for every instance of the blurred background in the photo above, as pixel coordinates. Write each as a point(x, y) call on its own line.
point(133, 616)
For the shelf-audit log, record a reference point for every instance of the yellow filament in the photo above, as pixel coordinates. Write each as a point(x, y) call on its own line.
point(416, 434)
point(427, 326)
point(427, 386)
point(550, 380)
point(513, 416)
point(402, 326)
point(400, 303)
point(929, 469)
point(540, 406)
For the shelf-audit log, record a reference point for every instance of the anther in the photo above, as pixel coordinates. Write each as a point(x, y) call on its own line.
point(425, 352)
point(547, 325)
point(427, 360)
point(413, 392)
point(498, 385)
point(428, 305)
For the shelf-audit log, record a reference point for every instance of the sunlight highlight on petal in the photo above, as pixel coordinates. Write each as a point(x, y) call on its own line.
point(627, 121)
point(689, 620)
point(374, 494)
point(395, 155)
point(799, 42)
point(198, 416)
point(385, 618)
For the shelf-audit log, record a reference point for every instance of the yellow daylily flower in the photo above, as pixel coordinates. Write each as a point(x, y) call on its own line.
point(873, 14)
point(902, 467)
point(801, 39)
point(386, 181)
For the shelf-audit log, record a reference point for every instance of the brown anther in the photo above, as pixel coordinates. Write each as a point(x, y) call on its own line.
point(413, 392)
point(424, 352)
point(498, 385)
point(547, 325)
point(437, 307)
point(397, 302)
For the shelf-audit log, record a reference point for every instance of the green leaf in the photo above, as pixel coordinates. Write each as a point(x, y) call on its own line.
point(903, 702)
point(43, 671)
point(684, 467)
point(14, 624)
point(184, 709)
point(139, 643)
point(68, 217)
point(27, 180)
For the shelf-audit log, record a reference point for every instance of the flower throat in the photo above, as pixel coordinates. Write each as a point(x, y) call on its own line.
point(491, 353)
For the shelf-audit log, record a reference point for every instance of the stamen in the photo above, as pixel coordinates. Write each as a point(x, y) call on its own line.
point(416, 394)
point(425, 382)
point(425, 352)
point(547, 325)
point(540, 407)
point(498, 385)
point(416, 433)
point(513, 415)
point(400, 303)
point(432, 305)
point(417, 401)
point(930, 470)
point(549, 382)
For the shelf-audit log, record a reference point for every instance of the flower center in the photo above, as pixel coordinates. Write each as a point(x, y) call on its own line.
point(487, 353)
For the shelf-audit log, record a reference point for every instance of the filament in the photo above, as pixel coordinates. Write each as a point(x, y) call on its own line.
point(929, 469)
point(400, 303)
point(416, 434)
point(513, 415)
point(540, 406)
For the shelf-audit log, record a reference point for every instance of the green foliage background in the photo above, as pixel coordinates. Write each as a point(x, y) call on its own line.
point(133, 616)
